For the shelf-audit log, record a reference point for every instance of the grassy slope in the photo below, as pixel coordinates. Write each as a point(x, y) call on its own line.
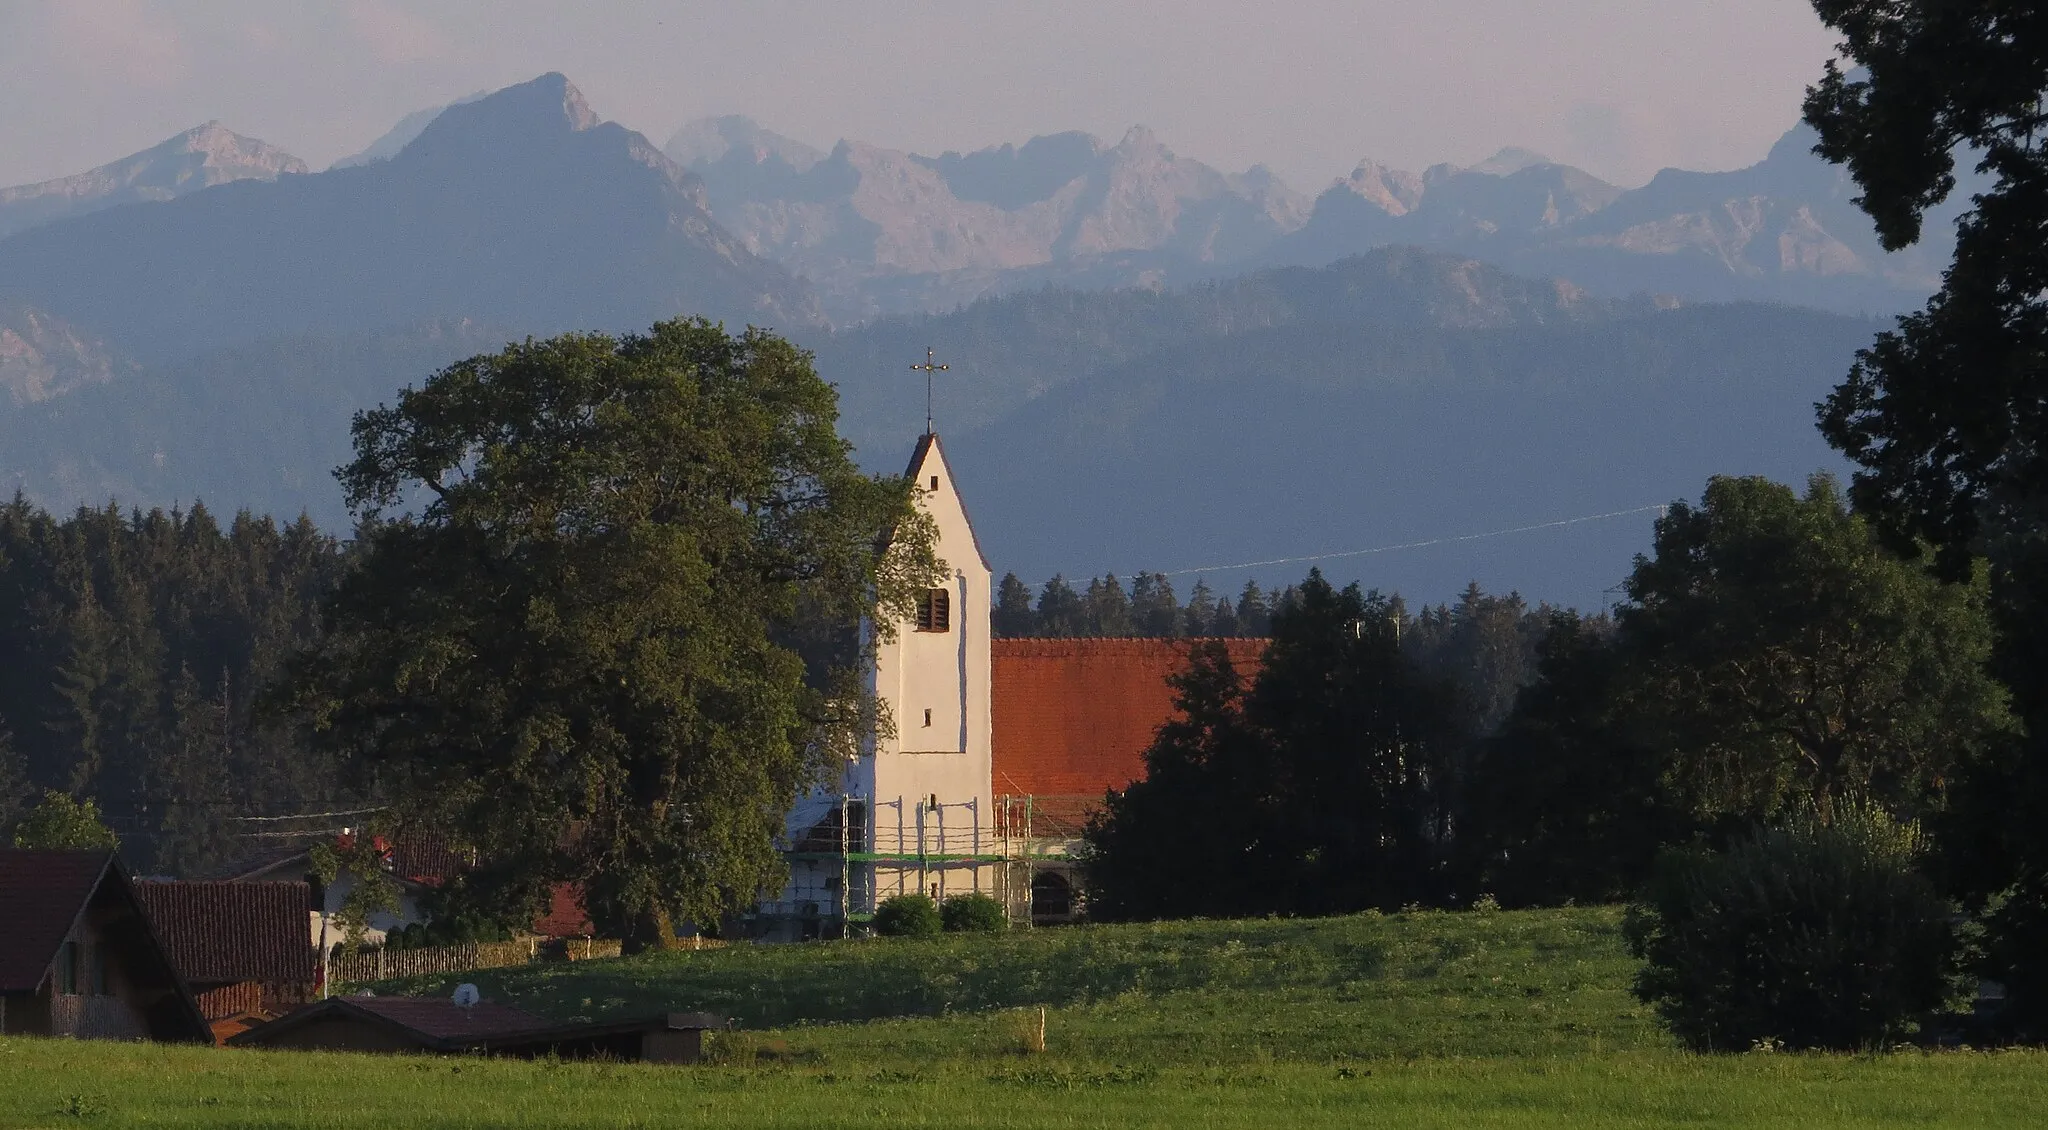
point(1212, 993)
point(1506, 1019)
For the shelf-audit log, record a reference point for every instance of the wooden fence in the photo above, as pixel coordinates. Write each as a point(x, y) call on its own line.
point(380, 963)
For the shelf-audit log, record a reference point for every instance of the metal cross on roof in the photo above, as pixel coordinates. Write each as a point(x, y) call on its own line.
point(928, 368)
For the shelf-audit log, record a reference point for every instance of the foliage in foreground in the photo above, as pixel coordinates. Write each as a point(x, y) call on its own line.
point(1808, 934)
point(1943, 413)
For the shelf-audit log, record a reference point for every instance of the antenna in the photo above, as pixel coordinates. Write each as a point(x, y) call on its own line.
point(466, 995)
point(928, 368)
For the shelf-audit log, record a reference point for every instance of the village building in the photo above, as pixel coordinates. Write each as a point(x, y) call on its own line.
point(79, 956)
point(241, 947)
point(1000, 750)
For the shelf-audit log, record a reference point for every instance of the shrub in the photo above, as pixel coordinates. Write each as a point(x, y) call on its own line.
point(908, 916)
point(973, 913)
point(1807, 935)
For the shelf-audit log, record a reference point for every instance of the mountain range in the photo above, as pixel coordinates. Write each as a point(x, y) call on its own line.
point(521, 209)
point(881, 230)
point(1155, 364)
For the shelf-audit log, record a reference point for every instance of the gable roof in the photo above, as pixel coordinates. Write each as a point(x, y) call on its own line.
point(439, 1024)
point(42, 893)
point(227, 931)
point(927, 445)
point(1072, 718)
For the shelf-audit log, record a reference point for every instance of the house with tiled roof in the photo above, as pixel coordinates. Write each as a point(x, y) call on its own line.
point(241, 947)
point(999, 750)
point(80, 957)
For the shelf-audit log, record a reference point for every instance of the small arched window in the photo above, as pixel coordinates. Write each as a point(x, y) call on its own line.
point(1051, 895)
point(935, 611)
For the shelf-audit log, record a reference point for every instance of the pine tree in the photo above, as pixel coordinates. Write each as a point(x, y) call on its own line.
point(192, 779)
point(1060, 611)
point(1254, 616)
point(1199, 617)
point(1155, 611)
point(14, 785)
point(1014, 617)
point(1223, 622)
point(1108, 609)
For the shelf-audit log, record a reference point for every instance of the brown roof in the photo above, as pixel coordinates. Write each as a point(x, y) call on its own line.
point(443, 1019)
point(41, 895)
point(223, 931)
point(1073, 717)
point(435, 1023)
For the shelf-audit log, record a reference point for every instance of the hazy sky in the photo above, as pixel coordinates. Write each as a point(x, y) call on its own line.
point(1620, 87)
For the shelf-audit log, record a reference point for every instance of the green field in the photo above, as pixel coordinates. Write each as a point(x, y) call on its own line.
point(1475, 1019)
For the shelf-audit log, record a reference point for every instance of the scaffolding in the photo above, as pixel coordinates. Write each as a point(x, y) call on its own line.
point(863, 852)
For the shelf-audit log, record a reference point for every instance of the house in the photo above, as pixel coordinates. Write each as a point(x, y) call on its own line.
point(1000, 750)
point(241, 947)
point(415, 866)
point(442, 1026)
point(79, 956)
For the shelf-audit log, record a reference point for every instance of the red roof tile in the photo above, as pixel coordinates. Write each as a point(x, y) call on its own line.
point(1073, 717)
point(41, 894)
point(566, 917)
point(221, 932)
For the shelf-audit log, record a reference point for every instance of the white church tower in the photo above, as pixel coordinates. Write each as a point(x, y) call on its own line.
point(916, 813)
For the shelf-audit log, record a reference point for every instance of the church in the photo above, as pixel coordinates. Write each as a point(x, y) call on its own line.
point(999, 750)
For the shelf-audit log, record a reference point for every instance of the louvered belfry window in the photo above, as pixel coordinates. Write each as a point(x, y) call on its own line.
point(935, 611)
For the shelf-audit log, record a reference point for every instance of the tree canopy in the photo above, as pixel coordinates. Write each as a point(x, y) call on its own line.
point(581, 636)
point(1786, 657)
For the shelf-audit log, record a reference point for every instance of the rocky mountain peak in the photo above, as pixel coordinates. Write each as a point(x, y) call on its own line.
point(708, 141)
point(1510, 160)
point(198, 158)
point(545, 106)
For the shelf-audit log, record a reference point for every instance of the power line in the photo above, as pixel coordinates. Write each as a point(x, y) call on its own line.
point(309, 815)
point(1415, 544)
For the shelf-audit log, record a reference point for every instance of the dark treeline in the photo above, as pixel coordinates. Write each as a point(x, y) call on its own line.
point(1150, 608)
point(134, 652)
point(1772, 658)
point(1484, 647)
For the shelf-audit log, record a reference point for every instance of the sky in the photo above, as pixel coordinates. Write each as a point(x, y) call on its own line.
point(1306, 87)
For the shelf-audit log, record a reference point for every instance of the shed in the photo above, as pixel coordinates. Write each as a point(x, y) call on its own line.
point(437, 1025)
point(242, 947)
point(79, 957)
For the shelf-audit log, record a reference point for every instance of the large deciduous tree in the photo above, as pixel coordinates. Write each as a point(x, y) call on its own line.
point(1785, 658)
point(1948, 413)
point(573, 637)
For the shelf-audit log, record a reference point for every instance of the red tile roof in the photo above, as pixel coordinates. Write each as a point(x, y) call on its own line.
point(223, 932)
point(566, 917)
point(41, 895)
point(1073, 717)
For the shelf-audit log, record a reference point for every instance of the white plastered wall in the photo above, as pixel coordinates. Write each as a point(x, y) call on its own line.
point(936, 688)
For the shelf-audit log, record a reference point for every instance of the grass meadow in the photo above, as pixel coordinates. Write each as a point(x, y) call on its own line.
point(1508, 1019)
